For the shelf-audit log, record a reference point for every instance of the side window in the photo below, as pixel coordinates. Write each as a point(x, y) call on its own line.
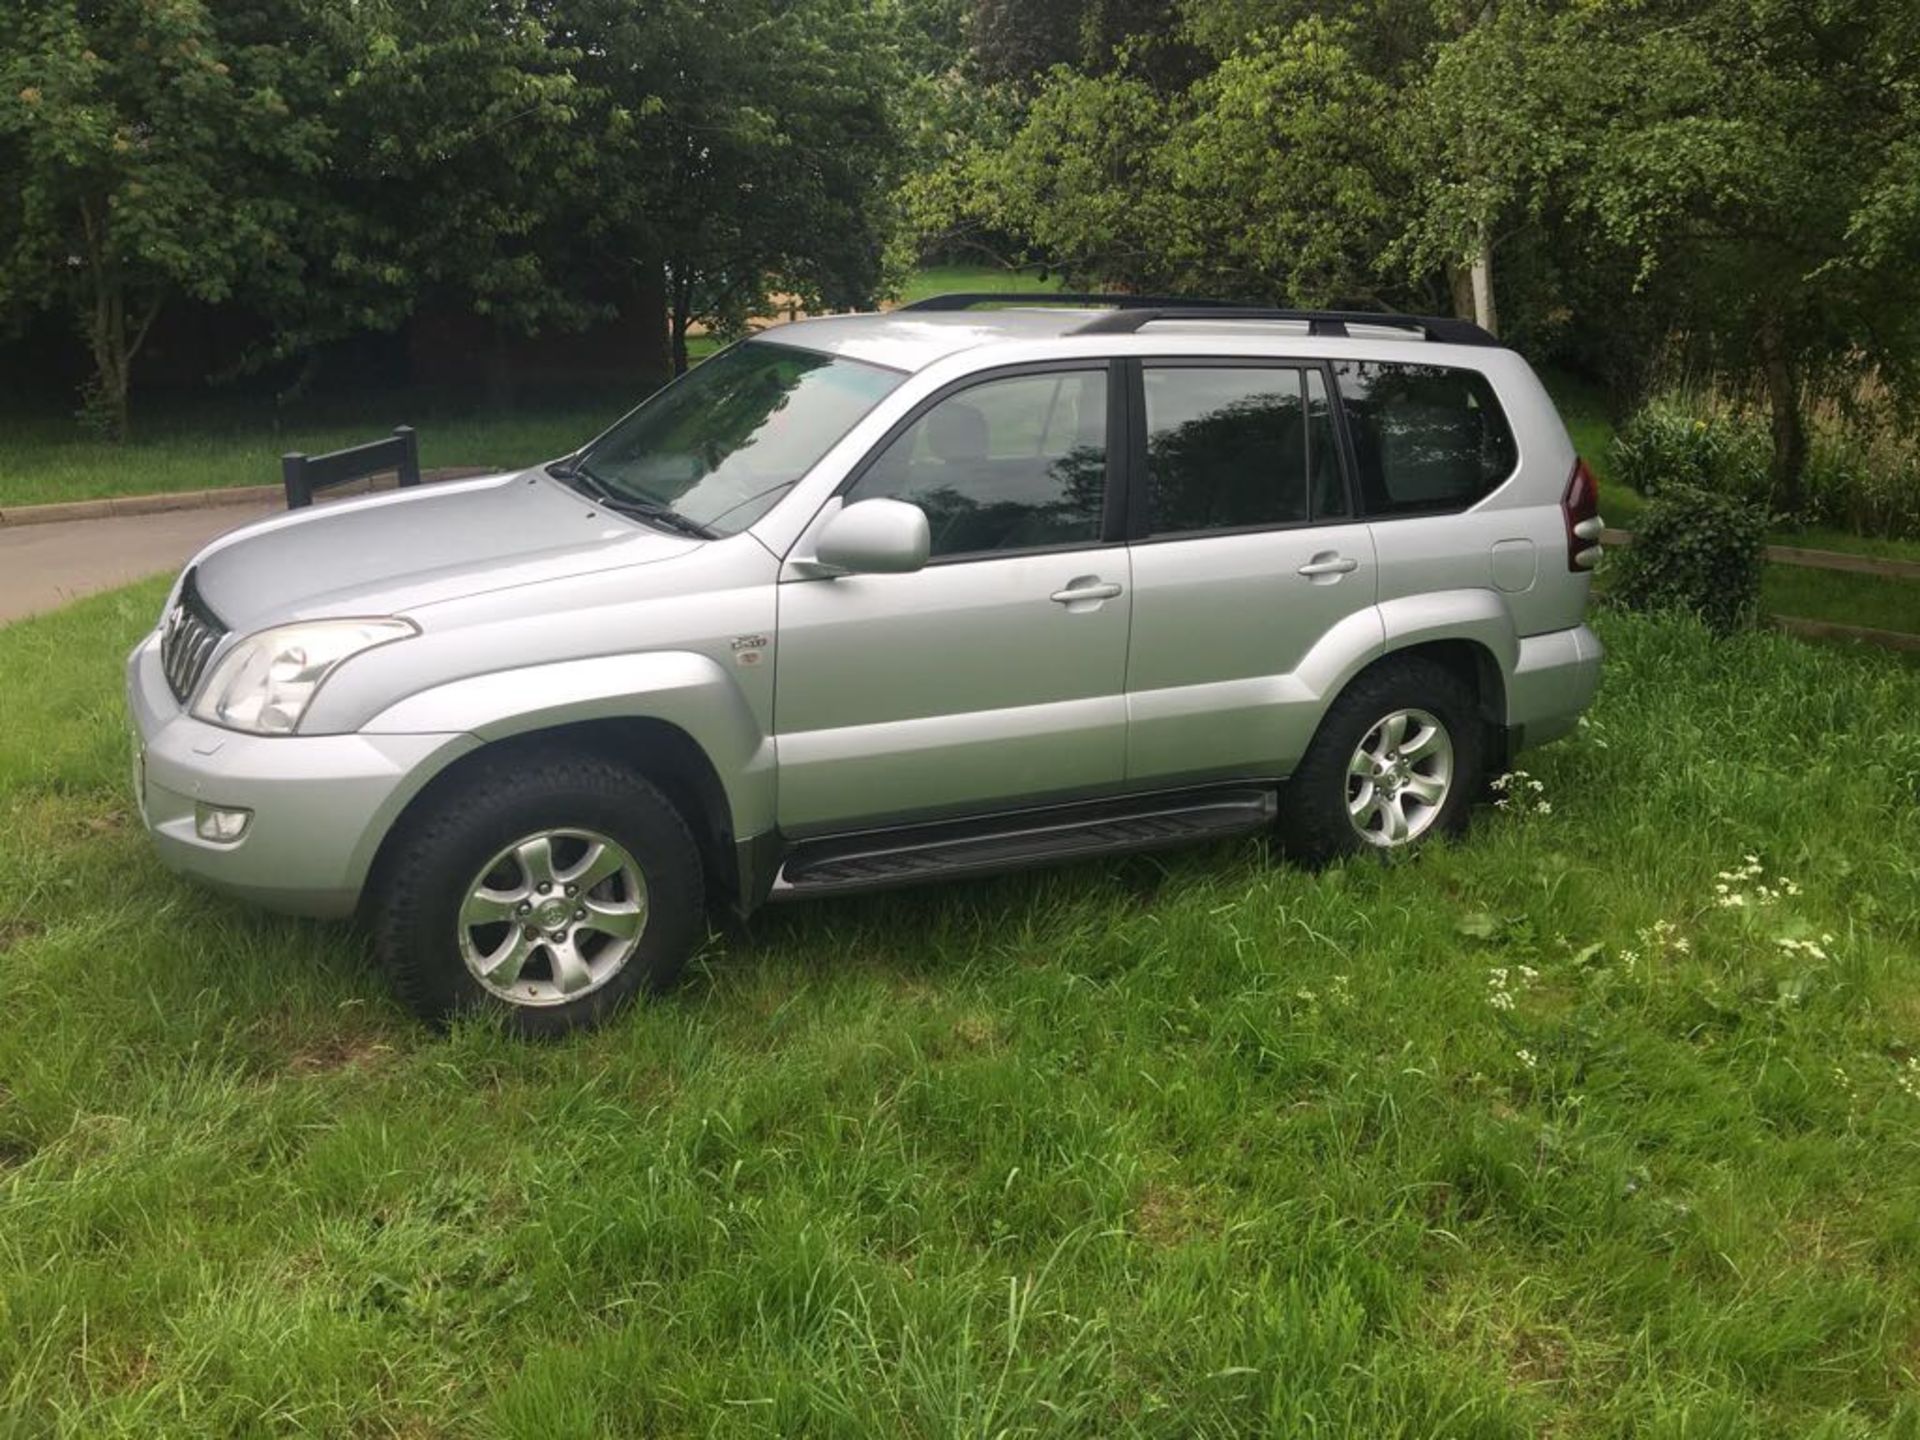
point(1229, 447)
point(1012, 464)
point(1427, 438)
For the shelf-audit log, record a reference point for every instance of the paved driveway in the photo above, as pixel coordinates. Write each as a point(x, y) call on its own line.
point(44, 566)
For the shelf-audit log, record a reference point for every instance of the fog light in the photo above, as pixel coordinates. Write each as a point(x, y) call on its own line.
point(211, 822)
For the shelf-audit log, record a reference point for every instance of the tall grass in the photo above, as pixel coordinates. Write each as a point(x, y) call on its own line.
point(1862, 473)
point(1537, 1134)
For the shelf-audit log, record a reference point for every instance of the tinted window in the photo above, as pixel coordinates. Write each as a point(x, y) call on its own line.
point(723, 442)
point(1426, 437)
point(1230, 448)
point(1010, 464)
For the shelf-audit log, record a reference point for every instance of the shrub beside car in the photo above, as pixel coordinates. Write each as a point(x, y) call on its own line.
point(1699, 551)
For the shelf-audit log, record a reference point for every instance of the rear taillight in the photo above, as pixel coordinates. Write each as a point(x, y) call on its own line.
point(1581, 506)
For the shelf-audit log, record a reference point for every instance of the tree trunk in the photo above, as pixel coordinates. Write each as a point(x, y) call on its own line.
point(499, 369)
point(652, 356)
point(1480, 274)
point(679, 317)
point(113, 337)
point(1460, 288)
point(1789, 429)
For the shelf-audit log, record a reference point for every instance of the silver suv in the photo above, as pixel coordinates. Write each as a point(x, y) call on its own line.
point(876, 599)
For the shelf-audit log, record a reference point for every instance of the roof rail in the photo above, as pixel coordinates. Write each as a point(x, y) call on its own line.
point(1442, 329)
point(968, 299)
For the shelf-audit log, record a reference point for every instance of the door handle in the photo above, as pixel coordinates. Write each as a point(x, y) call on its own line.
point(1076, 593)
point(1329, 564)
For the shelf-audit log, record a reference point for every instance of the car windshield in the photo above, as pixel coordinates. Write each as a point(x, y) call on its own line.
point(722, 443)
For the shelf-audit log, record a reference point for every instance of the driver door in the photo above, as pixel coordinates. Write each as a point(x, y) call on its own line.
point(993, 678)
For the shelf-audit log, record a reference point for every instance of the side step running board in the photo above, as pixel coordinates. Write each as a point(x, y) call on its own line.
point(878, 859)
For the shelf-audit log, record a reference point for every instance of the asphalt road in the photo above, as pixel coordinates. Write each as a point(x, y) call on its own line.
point(43, 567)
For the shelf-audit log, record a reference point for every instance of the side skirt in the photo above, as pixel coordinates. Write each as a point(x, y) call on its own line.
point(985, 845)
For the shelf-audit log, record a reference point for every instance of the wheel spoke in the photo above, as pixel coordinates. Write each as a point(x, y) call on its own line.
point(1394, 821)
point(1394, 731)
point(504, 965)
point(536, 860)
point(1429, 788)
point(597, 864)
point(489, 907)
point(623, 920)
point(1360, 804)
point(1363, 761)
point(570, 972)
point(1426, 743)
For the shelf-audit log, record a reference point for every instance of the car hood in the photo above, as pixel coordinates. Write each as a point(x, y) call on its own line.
point(387, 554)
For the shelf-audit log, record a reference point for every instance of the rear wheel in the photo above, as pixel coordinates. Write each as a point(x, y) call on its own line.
point(1396, 759)
point(548, 889)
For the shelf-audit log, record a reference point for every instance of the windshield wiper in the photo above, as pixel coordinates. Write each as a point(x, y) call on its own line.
point(651, 511)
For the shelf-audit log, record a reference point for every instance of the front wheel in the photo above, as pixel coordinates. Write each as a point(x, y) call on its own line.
point(1396, 759)
point(548, 889)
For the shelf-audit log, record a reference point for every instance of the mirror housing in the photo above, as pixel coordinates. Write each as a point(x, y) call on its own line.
point(875, 537)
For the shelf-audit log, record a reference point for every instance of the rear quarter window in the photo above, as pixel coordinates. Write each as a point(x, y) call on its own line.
point(1427, 439)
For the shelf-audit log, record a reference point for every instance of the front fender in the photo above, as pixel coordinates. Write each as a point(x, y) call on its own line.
point(679, 687)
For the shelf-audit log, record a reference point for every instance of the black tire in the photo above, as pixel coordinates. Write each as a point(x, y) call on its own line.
point(441, 845)
point(1314, 823)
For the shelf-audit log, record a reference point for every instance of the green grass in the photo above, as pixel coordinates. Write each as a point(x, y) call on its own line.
point(950, 279)
point(1876, 601)
point(231, 442)
point(1185, 1147)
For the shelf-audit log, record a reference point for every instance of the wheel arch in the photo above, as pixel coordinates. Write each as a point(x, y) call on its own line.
point(676, 718)
point(1469, 633)
point(661, 752)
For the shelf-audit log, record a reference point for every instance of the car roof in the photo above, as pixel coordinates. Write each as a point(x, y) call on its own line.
point(911, 339)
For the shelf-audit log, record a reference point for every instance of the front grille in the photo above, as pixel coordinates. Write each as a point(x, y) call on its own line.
point(191, 634)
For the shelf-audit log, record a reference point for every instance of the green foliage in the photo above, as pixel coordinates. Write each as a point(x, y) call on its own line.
point(1863, 478)
point(1675, 442)
point(1211, 187)
point(150, 151)
point(1862, 473)
point(1732, 181)
point(1540, 1135)
point(1698, 552)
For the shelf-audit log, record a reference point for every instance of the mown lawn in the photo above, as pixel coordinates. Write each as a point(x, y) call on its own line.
point(1530, 1136)
point(220, 443)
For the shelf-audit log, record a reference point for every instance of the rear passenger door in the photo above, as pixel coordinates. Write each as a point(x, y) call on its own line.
point(1246, 553)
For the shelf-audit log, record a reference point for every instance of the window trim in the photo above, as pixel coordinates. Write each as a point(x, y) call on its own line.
point(1356, 495)
point(1112, 512)
point(1135, 368)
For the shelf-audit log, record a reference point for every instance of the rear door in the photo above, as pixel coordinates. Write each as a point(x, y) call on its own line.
point(1246, 553)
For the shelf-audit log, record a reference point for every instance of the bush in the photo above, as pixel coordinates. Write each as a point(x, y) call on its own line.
point(1675, 441)
point(1699, 551)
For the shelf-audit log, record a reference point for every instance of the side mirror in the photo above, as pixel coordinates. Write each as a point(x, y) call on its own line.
point(875, 537)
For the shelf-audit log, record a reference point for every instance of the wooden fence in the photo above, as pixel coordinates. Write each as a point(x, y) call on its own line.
point(1827, 560)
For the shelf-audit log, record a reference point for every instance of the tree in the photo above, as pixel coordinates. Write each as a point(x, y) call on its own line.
point(1752, 163)
point(741, 147)
point(456, 167)
point(1272, 176)
point(143, 142)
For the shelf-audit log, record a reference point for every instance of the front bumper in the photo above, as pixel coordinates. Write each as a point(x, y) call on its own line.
point(1554, 680)
point(321, 803)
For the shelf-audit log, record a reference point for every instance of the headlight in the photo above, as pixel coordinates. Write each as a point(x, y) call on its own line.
point(266, 682)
